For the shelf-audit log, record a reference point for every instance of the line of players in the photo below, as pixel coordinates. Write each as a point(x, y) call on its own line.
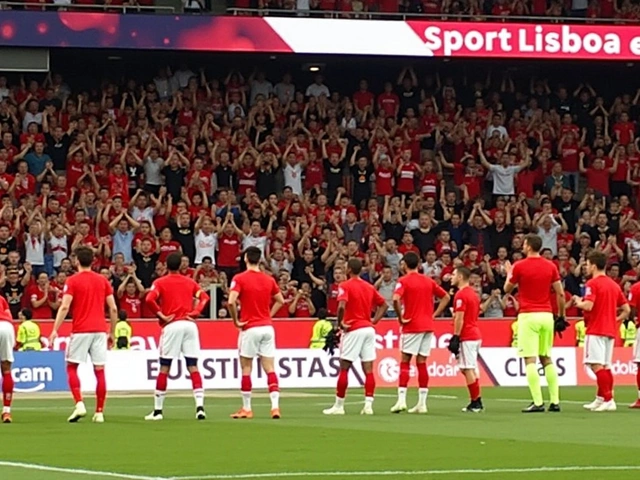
point(177, 301)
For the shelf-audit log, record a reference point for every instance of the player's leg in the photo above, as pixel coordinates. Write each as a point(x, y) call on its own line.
point(191, 351)
point(636, 359)
point(594, 354)
point(403, 379)
point(77, 352)
point(170, 342)
point(350, 348)
point(248, 346)
point(98, 353)
point(424, 350)
point(547, 333)
point(267, 353)
point(468, 363)
point(367, 357)
point(7, 341)
point(528, 350)
point(609, 404)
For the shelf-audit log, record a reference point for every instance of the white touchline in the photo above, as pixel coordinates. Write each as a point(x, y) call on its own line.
point(77, 471)
point(411, 473)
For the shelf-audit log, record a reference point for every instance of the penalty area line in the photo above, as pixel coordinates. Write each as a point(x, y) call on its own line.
point(76, 471)
point(412, 473)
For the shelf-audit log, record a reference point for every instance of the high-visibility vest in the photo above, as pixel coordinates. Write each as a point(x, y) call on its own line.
point(320, 331)
point(581, 332)
point(29, 336)
point(628, 334)
point(514, 334)
point(123, 329)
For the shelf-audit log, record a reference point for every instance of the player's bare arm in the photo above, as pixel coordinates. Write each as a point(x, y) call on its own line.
point(152, 301)
point(202, 298)
point(559, 290)
point(508, 286)
point(63, 311)
point(584, 305)
point(625, 311)
point(113, 317)
point(233, 309)
point(397, 307)
point(340, 314)
point(279, 302)
point(442, 304)
point(458, 322)
point(380, 311)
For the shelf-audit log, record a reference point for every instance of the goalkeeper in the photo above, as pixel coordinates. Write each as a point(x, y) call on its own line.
point(535, 278)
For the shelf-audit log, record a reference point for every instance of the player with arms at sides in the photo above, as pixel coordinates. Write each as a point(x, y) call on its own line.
point(535, 277)
point(466, 341)
point(177, 301)
point(7, 343)
point(634, 302)
point(356, 300)
point(254, 291)
point(602, 300)
point(413, 303)
point(87, 292)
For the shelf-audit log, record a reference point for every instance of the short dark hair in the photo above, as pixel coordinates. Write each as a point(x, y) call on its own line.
point(84, 256)
point(411, 260)
point(464, 272)
point(27, 313)
point(597, 258)
point(122, 315)
point(252, 255)
point(355, 266)
point(534, 241)
point(173, 261)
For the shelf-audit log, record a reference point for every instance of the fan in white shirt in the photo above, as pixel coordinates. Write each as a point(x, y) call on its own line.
point(206, 239)
point(256, 238)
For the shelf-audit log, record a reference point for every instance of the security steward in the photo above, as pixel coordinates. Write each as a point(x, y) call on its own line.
point(28, 337)
point(321, 329)
point(123, 332)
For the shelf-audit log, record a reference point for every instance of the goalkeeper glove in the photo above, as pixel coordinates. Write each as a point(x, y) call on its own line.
point(454, 345)
point(332, 341)
point(560, 324)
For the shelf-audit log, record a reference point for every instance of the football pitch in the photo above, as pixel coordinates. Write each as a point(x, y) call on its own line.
point(500, 443)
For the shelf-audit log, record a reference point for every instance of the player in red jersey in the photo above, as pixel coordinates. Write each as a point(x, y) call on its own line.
point(535, 277)
point(634, 302)
point(602, 300)
point(415, 292)
point(87, 292)
point(356, 301)
point(466, 341)
point(172, 299)
point(254, 291)
point(7, 343)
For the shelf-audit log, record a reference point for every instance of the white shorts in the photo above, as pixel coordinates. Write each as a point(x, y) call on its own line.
point(636, 348)
point(598, 350)
point(180, 337)
point(7, 341)
point(83, 345)
point(468, 358)
point(257, 342)
point(416, 343)
point(359, 344)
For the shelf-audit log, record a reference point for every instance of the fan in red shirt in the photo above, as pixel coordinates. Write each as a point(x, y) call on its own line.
point(177, 314)
point(598, 175)
point(602, 300)
point(88, 292)
point(634, 302)
point(356, 301)
point(7, 342)
point(254, 291)
point(466, 340)
point(415, 292)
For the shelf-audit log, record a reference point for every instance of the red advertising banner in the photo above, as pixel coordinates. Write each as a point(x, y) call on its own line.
point(216, 334)
point(623, 368)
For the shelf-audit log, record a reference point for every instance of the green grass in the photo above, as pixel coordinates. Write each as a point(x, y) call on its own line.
point(306, 441)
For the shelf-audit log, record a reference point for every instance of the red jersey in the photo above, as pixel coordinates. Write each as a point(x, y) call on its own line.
point(89, 291)
point(35, 294)
point(132, 304)
point(417, 292)
point(634, 300)
point(606, 296)
point(598, 180)
point(384, 181)
point(360, 298)
point(176, 293)
point(534, 277)
point(255, 291)
point(5, 312)
point(466, 301)
point(229, 247)
point(332, 300)
point(406, 177)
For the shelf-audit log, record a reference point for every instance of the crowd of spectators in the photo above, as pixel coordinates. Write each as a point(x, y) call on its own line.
point(207, 164)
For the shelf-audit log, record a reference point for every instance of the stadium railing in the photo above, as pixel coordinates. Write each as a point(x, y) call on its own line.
point(119, 9)
point(278, 12)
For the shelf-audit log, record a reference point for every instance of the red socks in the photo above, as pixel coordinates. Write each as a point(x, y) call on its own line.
point(474, 390)
point(272, 382)
point(245, 384)
point(161, 382)
point(405, 374)
point(7, 389)
point(343, 383)
point(604, 378)
point(196, 380)
point(423, 375)
point(101, 390)
point(74, 381)
point(369, 385)
point(638, 377)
